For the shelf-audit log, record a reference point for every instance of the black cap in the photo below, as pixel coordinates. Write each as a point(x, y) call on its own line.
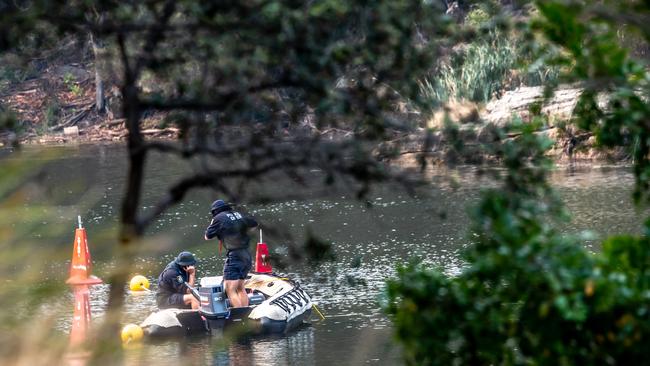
point(218, 206)
point(185, 259)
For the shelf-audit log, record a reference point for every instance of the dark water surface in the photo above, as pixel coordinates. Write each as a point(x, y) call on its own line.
point(369, 242)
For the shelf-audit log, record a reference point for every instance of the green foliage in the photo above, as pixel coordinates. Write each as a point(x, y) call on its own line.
point(481, 70)
point(70, 82)
point(9, 122)
point(52, 114)
point(76, 90)
point(475, 73)
point(600, 60)
point(491, 56)
point(529, 295)
point(478, 16)
point(7, 119)
point(68, 79)
point(11, 73)
point(226, 73)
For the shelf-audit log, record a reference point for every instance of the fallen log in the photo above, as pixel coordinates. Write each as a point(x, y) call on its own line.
point(160, 131)
point(74, 119)
point(83, 105)
point(115, 122)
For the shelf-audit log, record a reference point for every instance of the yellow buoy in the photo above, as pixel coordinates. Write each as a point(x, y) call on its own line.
point(131, 333)
point(139, 283)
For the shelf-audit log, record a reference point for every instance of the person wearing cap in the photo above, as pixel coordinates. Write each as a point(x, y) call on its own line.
point(231, 227)
point(172, 289)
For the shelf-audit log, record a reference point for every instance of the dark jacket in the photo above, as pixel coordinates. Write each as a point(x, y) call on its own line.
point(230, 227)
point(168, 283)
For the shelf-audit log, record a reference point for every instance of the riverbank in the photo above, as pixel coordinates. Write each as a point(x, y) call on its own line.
point(58, 107)
point(110, 131)
point(564, 153)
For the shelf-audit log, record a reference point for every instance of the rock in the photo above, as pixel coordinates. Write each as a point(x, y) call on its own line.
point(77, 73)
point(456, 111)
point(518, 103)
point(71, 131)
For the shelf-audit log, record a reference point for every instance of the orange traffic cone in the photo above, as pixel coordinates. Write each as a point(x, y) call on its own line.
point(262, 263)
point(81, 266)
point(81, 317)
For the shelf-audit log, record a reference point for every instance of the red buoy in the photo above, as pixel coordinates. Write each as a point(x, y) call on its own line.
point(262, 260)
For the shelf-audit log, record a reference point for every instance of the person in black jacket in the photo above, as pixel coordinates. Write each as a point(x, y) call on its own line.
point(231, 227)
point(172, 291)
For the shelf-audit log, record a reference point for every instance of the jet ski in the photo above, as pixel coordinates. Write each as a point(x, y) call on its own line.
point(276, 305)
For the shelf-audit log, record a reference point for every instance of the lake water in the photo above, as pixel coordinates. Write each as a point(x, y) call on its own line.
point(369, 241)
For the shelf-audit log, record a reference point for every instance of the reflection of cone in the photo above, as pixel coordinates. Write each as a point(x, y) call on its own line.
point(262, 262)
point(81, 317)
point(81, 265)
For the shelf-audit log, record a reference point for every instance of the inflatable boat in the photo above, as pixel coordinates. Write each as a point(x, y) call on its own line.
point(276, 305)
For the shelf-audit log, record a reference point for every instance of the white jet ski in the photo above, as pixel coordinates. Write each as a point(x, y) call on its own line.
point(276, 305)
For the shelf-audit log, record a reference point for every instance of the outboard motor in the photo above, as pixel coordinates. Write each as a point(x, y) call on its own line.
point(214, 304)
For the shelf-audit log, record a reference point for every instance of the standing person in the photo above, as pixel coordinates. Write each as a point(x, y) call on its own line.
point(172, 292)
point(230, 228)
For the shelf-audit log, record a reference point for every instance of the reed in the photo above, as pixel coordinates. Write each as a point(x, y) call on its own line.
point(481, 71)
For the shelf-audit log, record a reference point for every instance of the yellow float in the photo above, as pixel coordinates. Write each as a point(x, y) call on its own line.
point(131, 333)
point(139, 283)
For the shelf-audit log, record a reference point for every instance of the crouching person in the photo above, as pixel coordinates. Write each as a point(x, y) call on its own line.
point(172, 291)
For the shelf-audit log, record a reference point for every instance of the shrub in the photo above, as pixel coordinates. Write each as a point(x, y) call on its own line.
point(529, 295)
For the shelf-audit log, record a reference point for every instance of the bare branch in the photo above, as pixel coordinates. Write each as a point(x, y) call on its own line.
point(207, 179)
point(220, 101)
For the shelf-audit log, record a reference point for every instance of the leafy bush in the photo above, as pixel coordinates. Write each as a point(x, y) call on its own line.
point(529, 295)
point(477, 17)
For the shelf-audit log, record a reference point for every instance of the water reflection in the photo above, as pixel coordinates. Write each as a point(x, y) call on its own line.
point(297, 348)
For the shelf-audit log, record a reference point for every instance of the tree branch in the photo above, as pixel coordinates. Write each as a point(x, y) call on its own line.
point(206, 179)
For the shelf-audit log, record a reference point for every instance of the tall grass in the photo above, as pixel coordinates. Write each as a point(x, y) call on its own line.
point(480, 71)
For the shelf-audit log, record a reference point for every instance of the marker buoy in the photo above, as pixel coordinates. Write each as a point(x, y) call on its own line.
point(80, 279)
point(262, 262)
point(131, 333)
point(139, 283)
point(81, 266)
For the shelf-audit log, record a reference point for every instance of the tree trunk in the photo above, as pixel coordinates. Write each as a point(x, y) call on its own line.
point(109, 349)
point(100, 94)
